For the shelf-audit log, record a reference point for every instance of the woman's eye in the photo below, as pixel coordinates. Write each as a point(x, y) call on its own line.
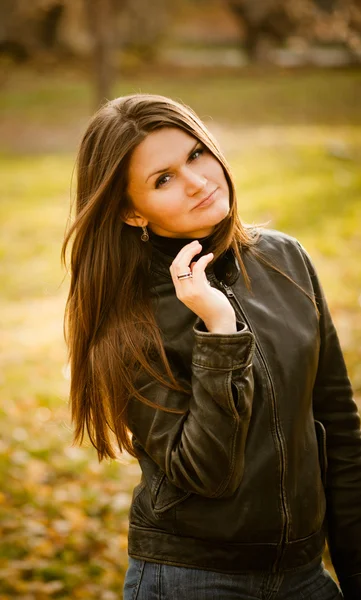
point(198, 152)
point(162, 180)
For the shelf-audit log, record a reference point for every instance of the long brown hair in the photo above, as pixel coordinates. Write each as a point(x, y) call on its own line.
point(110, 327)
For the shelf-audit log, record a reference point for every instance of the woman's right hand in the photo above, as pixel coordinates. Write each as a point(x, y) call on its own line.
point(210, 304)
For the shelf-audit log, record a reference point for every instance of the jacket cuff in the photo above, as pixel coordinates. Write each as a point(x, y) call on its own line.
point(351, 587)
point(224, 352)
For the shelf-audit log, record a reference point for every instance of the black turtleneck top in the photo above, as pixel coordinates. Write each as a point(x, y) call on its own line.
point(171, 246)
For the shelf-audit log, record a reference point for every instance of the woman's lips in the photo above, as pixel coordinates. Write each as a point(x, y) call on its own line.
point(206, 201)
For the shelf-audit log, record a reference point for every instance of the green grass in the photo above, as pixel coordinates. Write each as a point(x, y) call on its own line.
point(276, 97)
point(294, 144)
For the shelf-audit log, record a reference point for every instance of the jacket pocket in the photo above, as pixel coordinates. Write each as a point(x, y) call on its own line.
point(322, 449)
point(167, 496)
point(164, 495)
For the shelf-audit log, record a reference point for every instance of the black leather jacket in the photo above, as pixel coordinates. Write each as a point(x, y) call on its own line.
point(266, 459)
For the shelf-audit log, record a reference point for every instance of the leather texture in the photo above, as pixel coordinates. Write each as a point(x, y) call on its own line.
point(265, 460)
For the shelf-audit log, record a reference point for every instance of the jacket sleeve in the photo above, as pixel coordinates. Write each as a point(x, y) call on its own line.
point(202, 450)
point(334, 406)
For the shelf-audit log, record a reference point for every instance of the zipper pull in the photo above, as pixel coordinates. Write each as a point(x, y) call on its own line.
point(227, 289)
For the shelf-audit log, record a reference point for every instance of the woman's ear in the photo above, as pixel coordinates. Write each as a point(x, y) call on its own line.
point(135, 220)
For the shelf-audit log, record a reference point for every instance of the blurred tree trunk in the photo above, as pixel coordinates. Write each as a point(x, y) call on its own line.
point(101, 25)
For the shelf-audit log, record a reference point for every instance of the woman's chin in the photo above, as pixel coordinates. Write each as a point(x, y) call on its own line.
point(220, 212)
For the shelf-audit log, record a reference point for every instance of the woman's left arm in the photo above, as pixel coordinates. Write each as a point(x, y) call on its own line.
point(335, 407)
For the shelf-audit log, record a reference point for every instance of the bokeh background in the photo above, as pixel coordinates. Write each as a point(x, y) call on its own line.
point(279, 83)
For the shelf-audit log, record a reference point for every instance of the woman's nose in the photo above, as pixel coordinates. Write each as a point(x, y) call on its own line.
point(195, 182)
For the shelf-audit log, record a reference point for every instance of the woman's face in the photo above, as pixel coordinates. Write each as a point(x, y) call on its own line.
point(176, 186)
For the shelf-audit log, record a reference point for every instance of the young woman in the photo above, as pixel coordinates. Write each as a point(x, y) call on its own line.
point(205, 348)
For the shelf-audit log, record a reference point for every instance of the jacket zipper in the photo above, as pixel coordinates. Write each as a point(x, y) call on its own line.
point(232, 297)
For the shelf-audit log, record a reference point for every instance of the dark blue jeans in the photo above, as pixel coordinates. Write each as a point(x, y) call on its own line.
point(153, 581)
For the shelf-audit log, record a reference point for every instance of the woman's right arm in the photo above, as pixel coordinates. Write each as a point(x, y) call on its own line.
point(202, 450)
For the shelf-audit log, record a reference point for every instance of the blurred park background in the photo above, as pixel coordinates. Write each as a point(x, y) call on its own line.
point(279, 83)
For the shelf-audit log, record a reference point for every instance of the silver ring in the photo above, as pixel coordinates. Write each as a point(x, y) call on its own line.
point(185, 276)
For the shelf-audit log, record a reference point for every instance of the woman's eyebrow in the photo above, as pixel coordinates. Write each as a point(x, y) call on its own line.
point(168, 168)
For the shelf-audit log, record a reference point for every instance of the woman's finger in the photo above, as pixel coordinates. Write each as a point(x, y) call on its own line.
point(197, 269)
point(200, 265)
point(183, 287)
point(184, 257)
